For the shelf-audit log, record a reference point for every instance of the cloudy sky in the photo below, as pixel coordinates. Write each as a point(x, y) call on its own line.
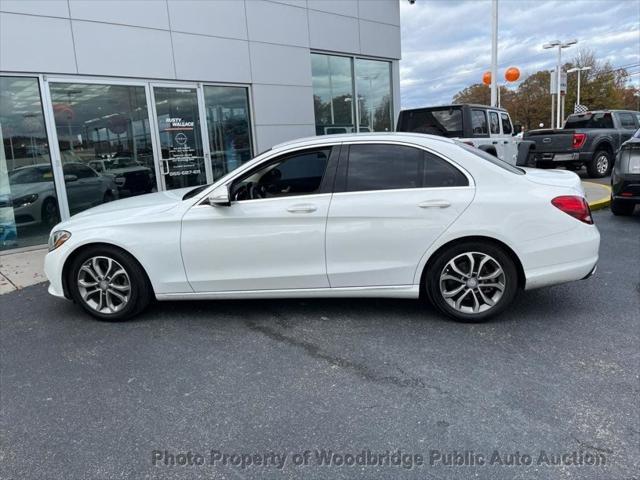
point(446, 44)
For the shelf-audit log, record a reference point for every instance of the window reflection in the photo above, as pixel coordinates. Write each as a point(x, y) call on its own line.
point(28, 200)
point(105, 142)
point(332, 94)
point(228, 128)
point(373, 84)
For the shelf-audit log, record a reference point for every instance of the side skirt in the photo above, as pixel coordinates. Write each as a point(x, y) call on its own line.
point(399, 291)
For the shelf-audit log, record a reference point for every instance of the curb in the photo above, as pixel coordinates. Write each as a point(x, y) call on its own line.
point(602, 202)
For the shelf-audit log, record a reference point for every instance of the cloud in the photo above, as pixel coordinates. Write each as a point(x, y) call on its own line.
point(446, 44)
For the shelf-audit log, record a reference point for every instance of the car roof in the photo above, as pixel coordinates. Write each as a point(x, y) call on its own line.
point(363, 137)
point(456, 105)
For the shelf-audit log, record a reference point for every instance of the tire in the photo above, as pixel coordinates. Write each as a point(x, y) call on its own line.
point(50, 215)
point(600, 165)
point(621, 208)
point(125, 280)
point(439, 279)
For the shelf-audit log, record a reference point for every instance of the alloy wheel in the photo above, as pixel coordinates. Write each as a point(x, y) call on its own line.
point(472, 282)
point(104, 284)
point(602, 164)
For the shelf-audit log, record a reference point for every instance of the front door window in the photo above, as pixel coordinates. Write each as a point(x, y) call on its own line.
point(181, 148)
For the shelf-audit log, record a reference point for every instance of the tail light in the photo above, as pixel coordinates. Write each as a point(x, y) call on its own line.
point(578, 140)
point(575, 206)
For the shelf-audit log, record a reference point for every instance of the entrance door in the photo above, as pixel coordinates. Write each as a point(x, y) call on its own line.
point(180, 139)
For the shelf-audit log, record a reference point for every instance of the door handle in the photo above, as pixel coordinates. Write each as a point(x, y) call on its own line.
point(434, 204)
point(495, 143)
point(506, 142)
point(302, 208)
point(164, 164)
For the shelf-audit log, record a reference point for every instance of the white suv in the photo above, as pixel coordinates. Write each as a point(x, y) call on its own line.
point(487, 128)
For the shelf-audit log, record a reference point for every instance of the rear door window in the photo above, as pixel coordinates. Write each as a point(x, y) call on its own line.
point(383, 167)
point(506, 124)
point(626, 121)
point(440, 173)
point(479, 122)
point(494, 123)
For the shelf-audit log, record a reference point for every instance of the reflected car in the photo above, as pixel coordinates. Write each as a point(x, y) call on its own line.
point(131, 176)
point(368, 215)
point(33, 193)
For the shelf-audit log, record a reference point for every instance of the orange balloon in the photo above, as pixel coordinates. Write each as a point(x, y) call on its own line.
point(512, 74)
point(486, 78)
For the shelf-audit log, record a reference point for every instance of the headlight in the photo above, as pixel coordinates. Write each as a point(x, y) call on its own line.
point(58, 238)
point(25, 200)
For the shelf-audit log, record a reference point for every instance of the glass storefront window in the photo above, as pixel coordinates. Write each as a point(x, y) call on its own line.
point(180, 137)
point(332, 94)
point(334, 90)
point(105, 142)
point(28, 200)
point(373, 84)
point(228, 127)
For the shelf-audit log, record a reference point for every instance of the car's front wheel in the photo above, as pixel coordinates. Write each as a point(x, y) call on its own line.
point(108, 283)
point(472, 281)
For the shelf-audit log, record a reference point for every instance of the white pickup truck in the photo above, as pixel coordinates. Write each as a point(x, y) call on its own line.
point(487, 128)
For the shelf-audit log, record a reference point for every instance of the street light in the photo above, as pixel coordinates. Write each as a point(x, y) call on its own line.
point(578, 69)
point(560, 45)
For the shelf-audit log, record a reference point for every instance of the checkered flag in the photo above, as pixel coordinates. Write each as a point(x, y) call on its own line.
point(580, 108)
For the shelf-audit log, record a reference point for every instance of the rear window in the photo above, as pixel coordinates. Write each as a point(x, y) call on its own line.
point(446, 122)
point(589, 120)
point(492, 159)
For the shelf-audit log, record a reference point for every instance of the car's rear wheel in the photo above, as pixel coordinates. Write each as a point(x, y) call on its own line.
point(472, 281)
point(622, 208)
point(600, 165)
point(108, 283)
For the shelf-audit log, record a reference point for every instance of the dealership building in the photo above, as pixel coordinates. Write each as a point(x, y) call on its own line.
point(104, 99)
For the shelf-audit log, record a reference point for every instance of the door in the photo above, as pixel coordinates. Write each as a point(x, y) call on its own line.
point(84, 187)
point(179, 136)
point(272, 236)
point(627, 126)
point(395, 201)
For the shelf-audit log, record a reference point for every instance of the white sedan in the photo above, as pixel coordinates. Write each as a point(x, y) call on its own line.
point(368, 215)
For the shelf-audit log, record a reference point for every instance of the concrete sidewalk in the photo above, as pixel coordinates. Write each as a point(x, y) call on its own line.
point(21, 269)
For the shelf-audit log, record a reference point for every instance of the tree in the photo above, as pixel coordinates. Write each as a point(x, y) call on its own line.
point(529, 104)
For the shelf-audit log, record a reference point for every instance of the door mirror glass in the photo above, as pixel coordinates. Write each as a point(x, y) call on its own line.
point(220, 197)
point(70, 178)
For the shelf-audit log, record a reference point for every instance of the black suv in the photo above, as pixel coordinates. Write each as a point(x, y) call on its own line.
point(625, 178)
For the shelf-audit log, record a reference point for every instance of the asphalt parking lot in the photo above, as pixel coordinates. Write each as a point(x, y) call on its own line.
point(558, 373)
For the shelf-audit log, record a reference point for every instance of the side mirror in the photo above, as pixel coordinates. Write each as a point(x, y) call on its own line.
point(70, 178)
point(220, 197)
point(517, 129)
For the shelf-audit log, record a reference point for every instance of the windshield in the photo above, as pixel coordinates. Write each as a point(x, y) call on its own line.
point(446, 122)
point(589, 120)
point(637, 134)
point(30, 175)
point(491, 158)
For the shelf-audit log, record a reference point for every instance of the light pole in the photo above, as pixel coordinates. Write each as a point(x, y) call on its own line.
point(578, 69)
point(494, 53)
point(560, 45)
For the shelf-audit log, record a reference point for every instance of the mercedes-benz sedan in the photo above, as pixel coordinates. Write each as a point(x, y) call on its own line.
point(368, 215)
